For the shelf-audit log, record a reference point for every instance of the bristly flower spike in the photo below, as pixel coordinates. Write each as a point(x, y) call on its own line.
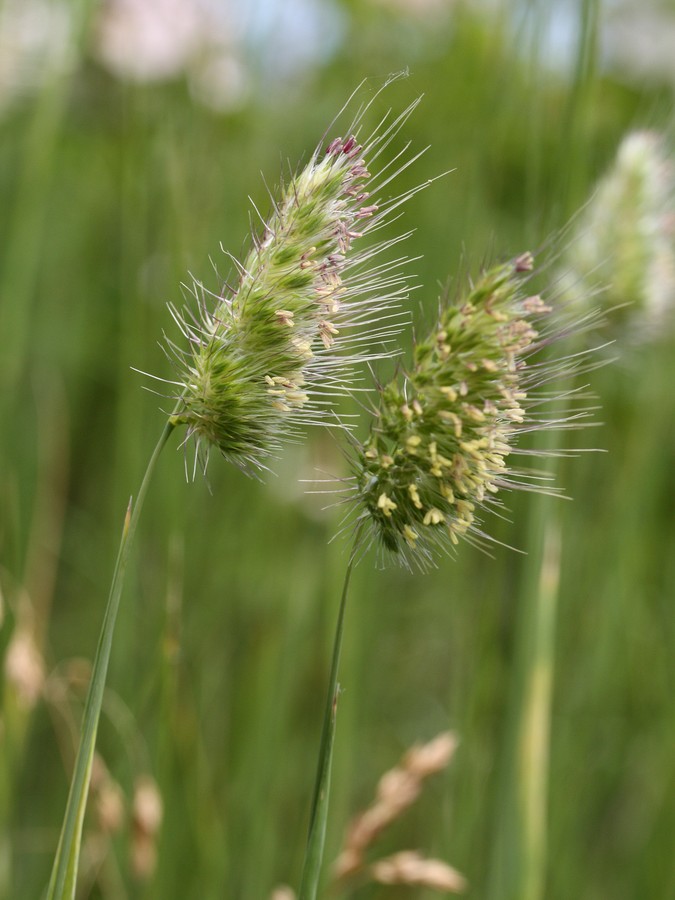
point(624, 240)
point(438, 448)
point(275, 352)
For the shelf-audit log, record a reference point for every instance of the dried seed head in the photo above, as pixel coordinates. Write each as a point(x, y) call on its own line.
point(283, 892)
point(147, 816)
point(426, 759)
point(397, 791)
point(24, 667)
point(625, 239)
point(276, 351)
point(148, 806)
point(110, 806)
point(409, 867)
point(440, 440)
point(108, 796)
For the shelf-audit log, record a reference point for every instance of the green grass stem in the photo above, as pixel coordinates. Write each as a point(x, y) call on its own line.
point(518, 863)
point(64, 873)
point(535, 722)
point(311, 872)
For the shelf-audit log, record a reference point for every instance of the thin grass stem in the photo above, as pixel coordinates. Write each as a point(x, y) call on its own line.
point(535, 724)
point(311, 871)
point(64, 873)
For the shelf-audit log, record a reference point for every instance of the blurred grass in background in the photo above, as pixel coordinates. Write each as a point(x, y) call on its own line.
point(126, 158)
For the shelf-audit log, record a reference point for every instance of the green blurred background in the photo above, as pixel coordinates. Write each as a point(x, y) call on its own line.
point(131, 137)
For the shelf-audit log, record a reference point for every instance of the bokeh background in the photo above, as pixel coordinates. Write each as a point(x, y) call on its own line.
point(132, 135)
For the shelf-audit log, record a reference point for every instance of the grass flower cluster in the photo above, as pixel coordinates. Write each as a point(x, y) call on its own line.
point(438, 446)
point(625, 238)
point(307, 310)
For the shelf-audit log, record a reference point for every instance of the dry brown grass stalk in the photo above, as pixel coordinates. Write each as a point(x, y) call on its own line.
point(397, 791)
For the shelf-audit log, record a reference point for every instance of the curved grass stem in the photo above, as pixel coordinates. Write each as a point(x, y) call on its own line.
point(64, 872)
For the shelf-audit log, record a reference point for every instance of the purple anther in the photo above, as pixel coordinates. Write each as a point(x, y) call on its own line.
point(360, 171)
point(334, 146)
point(524, 263)
point(366, 211)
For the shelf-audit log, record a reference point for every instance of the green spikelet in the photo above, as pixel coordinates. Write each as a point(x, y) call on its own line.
point(440, 441)
point(274, 352)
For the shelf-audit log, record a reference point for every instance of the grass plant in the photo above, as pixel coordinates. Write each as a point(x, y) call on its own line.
point(252, 372)
point(112, 188)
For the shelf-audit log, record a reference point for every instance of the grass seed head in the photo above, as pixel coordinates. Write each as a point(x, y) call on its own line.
point(438, 449)
point(411, 868)
point(397, 790)
point(625, 237)
point(308, 309)
point(147, 815)
point(24, 668)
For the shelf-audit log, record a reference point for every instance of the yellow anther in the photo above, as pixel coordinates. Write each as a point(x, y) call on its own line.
point(304, 347)
point(331, 304)
point(465, 509)
point(498, 316)
point(473, 412)
point(454, 420)
point(326, 332)
point(434, 517)
point(449, 392)
point(446, 492)
point(414, 496)
point(385, 504)
point(297, 398)
point(413, 442)
point(410, 535)
point(285, 317)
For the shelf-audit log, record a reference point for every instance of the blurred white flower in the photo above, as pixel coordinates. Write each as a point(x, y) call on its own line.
point(36, 41)
point(638, 40)
point(217, 45)
point(625, 238)
point(221, 82)
point(151, 40)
